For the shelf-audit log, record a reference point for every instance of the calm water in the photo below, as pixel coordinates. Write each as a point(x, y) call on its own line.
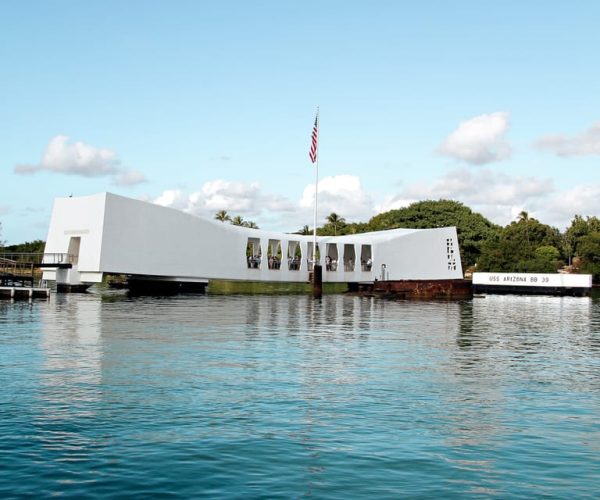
point(286, 397)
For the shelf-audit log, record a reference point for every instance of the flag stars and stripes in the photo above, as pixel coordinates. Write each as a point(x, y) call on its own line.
point(314, 140)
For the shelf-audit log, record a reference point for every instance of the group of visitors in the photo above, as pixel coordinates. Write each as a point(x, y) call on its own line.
point(294, 263)
point(254, 261)
point(274, 262)
point(330, 264)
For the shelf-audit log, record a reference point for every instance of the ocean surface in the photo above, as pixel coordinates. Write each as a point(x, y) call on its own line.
point(280, 396)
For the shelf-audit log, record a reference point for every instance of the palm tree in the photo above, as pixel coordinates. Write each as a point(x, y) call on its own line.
point(336, 221)
point(524, 218)
point(305, 231)
point(222, 215)
point(237, 220)
point(251, 224)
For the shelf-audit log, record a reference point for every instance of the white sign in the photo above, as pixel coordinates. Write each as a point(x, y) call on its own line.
point(534, 279)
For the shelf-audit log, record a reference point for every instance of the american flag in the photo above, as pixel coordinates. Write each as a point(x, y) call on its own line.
point(312, 154)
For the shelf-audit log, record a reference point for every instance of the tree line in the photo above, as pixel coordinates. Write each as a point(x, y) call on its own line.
point(236, 220)
point(524, 245)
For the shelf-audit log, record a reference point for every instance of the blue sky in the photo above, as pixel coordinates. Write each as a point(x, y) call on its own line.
point(209, 105)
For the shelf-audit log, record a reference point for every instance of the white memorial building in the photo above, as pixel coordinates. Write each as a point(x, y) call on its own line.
point(90, 236)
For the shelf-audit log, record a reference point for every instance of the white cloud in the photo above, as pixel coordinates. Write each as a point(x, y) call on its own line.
point(4, 209)
point(81, 159)
point(498, 196)
point(585, 143)
point(342, 194)
point(501, 197)
point(231, 196)
point(129, 178)
point(580, 200)
point(173, 198)
point(238, 198)
point(479, 140)
point(393, 202)
point(481, 187)
point(75, 159)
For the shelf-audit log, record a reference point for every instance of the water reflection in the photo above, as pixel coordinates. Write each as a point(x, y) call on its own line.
point(242, 392)
point(69, 386)
point(517, 346)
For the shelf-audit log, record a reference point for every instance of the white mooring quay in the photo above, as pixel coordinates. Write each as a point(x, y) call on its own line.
point(110, 234)
point(532, 283)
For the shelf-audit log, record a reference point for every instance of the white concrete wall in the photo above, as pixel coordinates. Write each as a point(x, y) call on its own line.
point(143, 238)
point(126, 236)
point(420, 255)
point(78, 217)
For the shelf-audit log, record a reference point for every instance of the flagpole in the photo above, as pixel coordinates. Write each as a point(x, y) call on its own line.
point(316, 198)
point(314, 156)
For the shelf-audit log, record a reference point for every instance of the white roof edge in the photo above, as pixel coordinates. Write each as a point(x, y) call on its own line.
point(368, 236)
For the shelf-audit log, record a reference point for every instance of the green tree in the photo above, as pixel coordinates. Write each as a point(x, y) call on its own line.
point(588, 248)
point(306, 231)
point(523, 218)
point(546, 259)
point(35, 246)
point(473, 229)
point(355, 228)
point(335, 221)
point(237, 220)
point(222, 216)
point(579, 228)
point(523, 246)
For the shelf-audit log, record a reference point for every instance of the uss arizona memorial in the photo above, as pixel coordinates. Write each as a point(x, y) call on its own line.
point(104, 233)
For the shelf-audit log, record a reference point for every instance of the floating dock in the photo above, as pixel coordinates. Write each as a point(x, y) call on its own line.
point(533, 283)
point(23, 292)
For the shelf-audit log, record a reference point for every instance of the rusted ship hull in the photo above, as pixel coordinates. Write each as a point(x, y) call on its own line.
point(424, 289)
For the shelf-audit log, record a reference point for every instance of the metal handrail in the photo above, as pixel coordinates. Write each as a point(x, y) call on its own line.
point(22, 256)
point(59, 258)
point(40, 258)
point(15, 272)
